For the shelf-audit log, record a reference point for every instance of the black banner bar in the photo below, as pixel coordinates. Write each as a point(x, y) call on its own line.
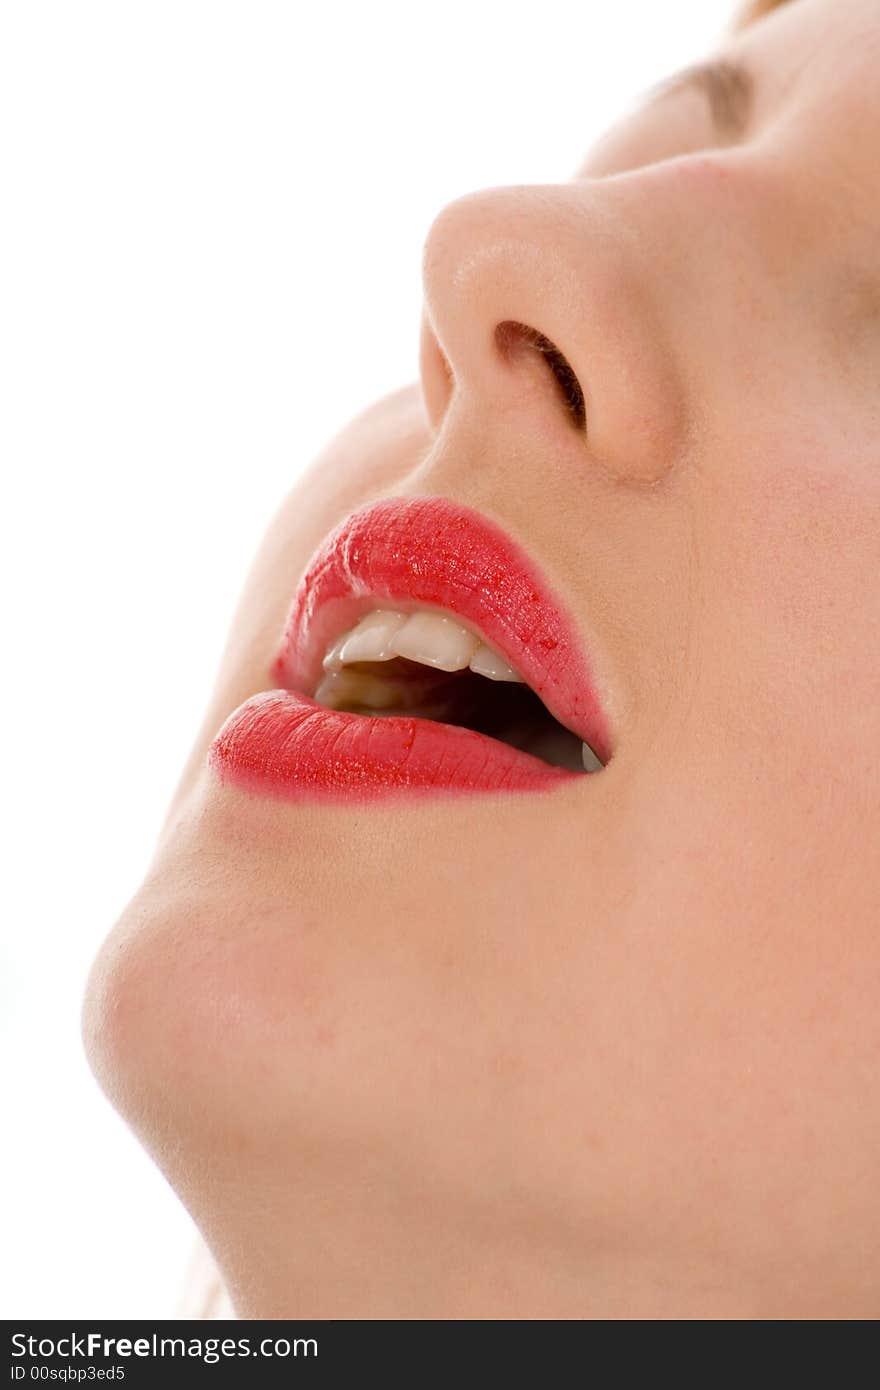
point(125, 1354)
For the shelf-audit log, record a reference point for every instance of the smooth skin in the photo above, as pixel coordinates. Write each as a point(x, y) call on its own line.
point(611, 1053)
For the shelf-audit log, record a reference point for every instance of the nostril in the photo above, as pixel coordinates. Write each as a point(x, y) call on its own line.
point(510, 335)
point(568, 383)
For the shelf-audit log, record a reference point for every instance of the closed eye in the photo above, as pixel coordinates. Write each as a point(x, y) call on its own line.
point(728, 87)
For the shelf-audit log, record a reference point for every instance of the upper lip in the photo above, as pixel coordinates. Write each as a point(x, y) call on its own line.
point(435, 551)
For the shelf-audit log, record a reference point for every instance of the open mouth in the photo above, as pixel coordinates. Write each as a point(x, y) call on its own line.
point(424, 653)
point(426, 663)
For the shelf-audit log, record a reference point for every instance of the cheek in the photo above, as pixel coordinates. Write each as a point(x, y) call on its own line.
point(786, 598)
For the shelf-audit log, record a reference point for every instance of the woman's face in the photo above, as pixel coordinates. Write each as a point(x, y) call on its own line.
point(607, 1048)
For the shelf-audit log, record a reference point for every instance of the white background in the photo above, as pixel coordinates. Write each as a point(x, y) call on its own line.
point(211, 223)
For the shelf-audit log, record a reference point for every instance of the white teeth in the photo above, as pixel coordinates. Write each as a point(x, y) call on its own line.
point(435, 640)
point(370, 640)
point(591, 762)
point(431, 638)
point(486, 662)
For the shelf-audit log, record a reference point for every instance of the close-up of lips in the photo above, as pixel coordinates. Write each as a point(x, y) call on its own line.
point(444, 658)
point(509, 948)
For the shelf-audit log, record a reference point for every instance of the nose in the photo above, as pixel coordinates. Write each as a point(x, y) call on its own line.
point(542, 301)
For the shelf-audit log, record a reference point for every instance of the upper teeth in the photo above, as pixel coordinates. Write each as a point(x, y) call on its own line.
point(426, 636)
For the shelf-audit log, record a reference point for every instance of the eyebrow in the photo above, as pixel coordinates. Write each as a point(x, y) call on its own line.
point(728, 86)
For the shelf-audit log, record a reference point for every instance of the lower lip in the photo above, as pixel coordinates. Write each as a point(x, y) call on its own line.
point(283, 744)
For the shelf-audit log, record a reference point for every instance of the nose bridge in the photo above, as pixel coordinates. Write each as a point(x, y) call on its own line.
point(530, 282)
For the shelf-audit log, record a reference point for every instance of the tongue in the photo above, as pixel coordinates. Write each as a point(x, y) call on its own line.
point(378, 692)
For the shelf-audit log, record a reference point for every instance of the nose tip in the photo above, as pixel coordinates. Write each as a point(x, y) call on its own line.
point(543, 299)
point(484, 331)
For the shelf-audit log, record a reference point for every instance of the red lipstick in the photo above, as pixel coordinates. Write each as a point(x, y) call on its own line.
point(413, 550)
